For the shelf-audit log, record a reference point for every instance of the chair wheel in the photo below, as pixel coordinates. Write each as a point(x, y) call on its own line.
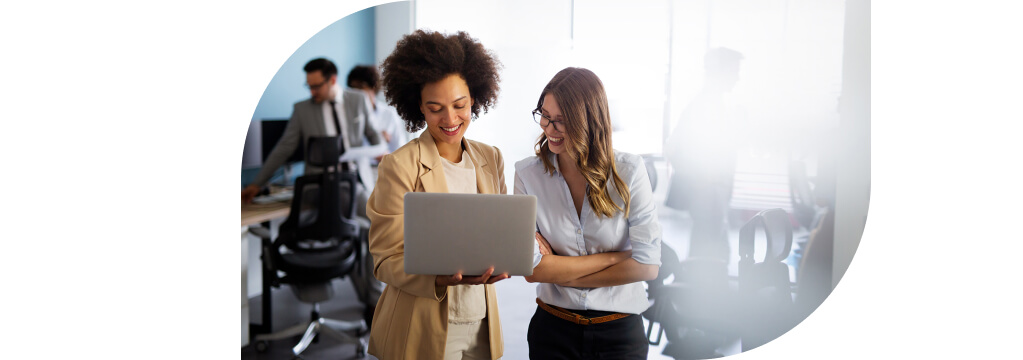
point(261, 346)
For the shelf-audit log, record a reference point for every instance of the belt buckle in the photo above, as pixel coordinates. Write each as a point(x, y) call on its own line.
point(583, 320)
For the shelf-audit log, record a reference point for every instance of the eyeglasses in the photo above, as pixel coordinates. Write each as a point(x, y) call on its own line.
point(545, 120)
point(317, 86)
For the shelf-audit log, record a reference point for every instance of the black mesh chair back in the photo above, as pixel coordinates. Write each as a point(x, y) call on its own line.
point(319, 239)
point(318, 242)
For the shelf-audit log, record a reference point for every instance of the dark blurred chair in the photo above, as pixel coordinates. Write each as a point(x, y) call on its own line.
point(764, 286)
point(702, 308)
point(318, 242)
point(660, 311)
point(695, 310)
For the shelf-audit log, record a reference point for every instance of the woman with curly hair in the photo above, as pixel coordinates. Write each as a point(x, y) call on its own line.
point(440, 82)
point(597, 235)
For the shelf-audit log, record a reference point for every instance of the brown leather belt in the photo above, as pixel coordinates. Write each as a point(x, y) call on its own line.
point(576, 318)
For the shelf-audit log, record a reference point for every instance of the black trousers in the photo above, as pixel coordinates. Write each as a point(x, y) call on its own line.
point(551, 337)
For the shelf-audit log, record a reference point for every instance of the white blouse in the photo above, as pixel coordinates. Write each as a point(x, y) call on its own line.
point(467, 304)
point(572, 235)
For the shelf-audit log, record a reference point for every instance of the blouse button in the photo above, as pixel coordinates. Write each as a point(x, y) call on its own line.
point(579, 231)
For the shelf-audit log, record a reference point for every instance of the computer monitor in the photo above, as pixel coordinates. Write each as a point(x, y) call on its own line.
point(271, 131)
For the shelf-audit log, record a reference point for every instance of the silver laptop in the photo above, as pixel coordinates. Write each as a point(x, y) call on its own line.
point(445, 233)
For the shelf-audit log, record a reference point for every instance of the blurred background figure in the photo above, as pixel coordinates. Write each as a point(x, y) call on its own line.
point(386, 119)
point(327, 112)
point(702, 152)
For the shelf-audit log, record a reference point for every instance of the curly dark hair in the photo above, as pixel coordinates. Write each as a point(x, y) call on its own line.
point(364, 75)
point(424, 57)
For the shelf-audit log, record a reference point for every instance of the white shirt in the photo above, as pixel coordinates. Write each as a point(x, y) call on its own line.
point(586, 234)
point(461, 177)
point(328, 118)
point(467, 304)
point(387, 119)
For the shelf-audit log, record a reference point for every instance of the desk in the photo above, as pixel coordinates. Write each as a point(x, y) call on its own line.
point(254, 214)
point(257, 213)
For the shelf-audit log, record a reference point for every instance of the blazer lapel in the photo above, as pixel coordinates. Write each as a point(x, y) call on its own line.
point(316, 113)
point(432, 177)
point(484, 181)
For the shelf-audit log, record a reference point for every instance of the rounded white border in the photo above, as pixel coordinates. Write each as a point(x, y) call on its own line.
point(125, 123)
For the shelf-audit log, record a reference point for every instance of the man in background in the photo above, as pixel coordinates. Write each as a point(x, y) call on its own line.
point(328, 112)
point(702, 151)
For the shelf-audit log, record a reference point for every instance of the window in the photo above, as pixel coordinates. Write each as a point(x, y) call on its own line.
point(649, 54)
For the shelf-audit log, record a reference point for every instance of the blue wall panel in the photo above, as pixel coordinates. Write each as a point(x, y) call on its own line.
point(347, 42)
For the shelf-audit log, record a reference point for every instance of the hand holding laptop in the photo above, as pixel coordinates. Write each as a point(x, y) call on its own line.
point(458, 279)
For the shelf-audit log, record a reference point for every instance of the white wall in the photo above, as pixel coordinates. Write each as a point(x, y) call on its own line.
point(852, 183)
point(393, 20)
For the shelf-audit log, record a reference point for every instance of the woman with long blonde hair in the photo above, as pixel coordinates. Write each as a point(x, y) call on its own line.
point(597, 235)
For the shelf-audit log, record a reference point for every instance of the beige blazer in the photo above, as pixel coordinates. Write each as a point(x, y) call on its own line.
point(411, 317)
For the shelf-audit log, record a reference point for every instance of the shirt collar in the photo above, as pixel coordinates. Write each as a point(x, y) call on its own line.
point(553, 158)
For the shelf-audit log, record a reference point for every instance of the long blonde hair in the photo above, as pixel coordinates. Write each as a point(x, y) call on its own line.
point(580, 95)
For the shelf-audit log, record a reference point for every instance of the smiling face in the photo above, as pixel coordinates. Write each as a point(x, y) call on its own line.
point(555, 138)
point(446, 105)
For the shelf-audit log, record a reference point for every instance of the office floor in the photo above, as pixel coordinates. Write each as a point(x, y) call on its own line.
point(288, 311)
point(515, 296)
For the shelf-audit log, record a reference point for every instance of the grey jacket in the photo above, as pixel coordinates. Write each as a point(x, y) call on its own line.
point(354, 112)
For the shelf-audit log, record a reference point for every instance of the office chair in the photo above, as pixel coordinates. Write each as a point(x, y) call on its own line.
point(660, 307)
point(319, 241)
point(764, 285)
point(695, 311)
point(704, 308)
